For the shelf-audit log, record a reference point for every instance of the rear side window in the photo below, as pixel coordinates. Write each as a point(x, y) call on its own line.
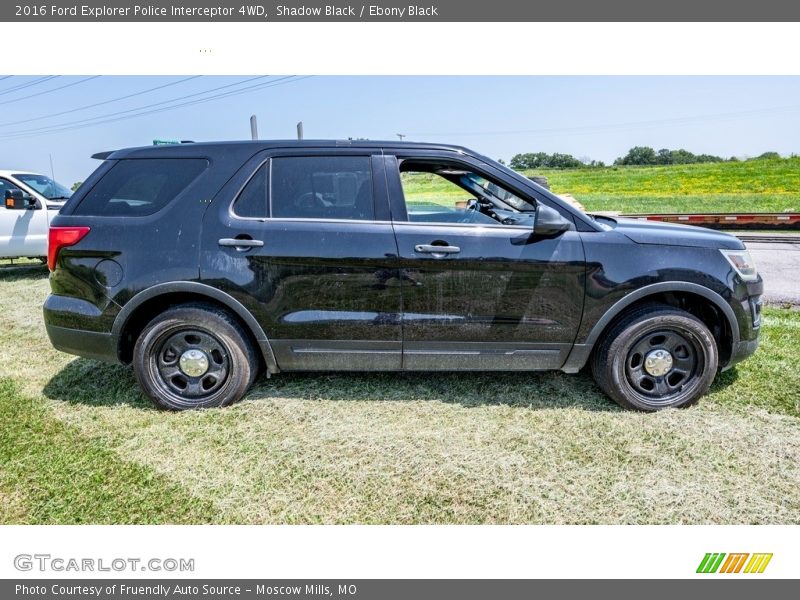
point(322, 187)
point(140, 187)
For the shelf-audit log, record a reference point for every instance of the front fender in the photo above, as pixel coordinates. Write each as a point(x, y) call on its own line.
point(582, 349)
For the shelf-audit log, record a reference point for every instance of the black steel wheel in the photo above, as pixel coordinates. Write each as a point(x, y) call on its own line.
point(191, 363)
point(656, 357)
point(194, 356)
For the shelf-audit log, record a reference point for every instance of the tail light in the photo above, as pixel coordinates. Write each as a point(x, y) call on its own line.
point(61, 237)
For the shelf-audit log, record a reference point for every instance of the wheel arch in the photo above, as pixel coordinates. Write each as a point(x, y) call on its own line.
point(140, 309)
point(673, 293)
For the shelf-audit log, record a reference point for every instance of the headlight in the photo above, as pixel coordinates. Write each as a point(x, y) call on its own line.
point(742, 263)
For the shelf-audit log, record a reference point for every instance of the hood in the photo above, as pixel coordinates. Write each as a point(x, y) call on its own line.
point(671, 234)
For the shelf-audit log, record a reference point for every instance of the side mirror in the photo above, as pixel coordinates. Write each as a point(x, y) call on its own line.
point(549, 222)
point(19, 200)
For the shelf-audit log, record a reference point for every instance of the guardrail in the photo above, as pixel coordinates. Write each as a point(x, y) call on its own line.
point(740, 221)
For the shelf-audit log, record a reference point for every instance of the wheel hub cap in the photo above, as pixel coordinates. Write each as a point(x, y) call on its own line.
point(194, 363)
point(658, 363)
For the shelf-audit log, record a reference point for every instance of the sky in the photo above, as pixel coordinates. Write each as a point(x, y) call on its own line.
point(67, 119)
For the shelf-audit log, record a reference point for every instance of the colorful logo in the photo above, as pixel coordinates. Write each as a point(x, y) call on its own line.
point(734, 563)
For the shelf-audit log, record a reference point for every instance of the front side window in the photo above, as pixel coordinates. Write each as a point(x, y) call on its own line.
point(322, 187)
point(141, 186)
point(440, 192)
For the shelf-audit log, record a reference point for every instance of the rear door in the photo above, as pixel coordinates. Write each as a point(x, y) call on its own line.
point(479, 293)
point(22, 232)
point(304, 240)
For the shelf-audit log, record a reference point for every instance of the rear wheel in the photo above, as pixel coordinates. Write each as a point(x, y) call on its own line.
point(656, 357)
point(194, 356)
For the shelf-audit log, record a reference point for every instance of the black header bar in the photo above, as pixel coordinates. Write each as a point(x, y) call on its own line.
point(387, 589)
point(400, 10)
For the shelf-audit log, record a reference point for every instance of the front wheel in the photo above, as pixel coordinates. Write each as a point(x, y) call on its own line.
point(656, 357)
point(194, 356)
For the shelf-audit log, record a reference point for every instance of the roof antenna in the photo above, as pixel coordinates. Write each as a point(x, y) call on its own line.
point(253, 127)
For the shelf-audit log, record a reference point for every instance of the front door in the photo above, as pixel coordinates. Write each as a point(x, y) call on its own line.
point(308, 247)
point(480, 290)
point(22, 232)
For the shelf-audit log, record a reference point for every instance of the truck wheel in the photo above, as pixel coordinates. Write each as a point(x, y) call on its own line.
point(656, 357)
point(194, 356)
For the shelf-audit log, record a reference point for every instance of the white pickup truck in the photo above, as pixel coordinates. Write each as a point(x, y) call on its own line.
point(29, 201)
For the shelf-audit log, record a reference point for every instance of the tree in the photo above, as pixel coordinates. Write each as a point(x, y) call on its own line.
point(644, 155)
point(564, 161)
point(770, 155)
point(683, 157)
point(76, 185)
point(638, 155)
point(706, 158)
point(664, 157)
point(529, 160)
point(542, 160)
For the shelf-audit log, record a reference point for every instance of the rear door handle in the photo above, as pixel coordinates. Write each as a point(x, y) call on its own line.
point(240, 244)
point(431, 249)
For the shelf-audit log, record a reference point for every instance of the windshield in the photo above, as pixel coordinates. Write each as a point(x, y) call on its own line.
point(52, 190)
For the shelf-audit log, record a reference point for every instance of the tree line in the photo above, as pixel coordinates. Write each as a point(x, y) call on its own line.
point(638, 155)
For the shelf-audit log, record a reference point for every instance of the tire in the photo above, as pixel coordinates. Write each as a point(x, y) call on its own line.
point(621, 368)
point(172, 350)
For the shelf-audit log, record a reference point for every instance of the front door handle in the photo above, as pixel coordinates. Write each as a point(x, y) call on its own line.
point(240, 244)
point(431, 249)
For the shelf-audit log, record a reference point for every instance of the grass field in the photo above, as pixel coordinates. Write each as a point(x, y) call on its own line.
point(755, 185)
point(79, 444)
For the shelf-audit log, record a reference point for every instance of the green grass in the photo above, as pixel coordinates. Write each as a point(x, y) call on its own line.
point(79, 443)
point(755, 185)
point(56, 475)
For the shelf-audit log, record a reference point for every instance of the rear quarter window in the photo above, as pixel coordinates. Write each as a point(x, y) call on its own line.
point(140, 187)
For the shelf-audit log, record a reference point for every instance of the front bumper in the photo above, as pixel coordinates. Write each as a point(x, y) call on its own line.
point(742, 350)
point(749, 323)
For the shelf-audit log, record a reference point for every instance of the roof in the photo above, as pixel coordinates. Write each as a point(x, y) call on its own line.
point(12, 172)
point(258, 145)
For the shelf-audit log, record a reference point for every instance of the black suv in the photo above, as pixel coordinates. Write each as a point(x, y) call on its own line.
point(204, 263)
